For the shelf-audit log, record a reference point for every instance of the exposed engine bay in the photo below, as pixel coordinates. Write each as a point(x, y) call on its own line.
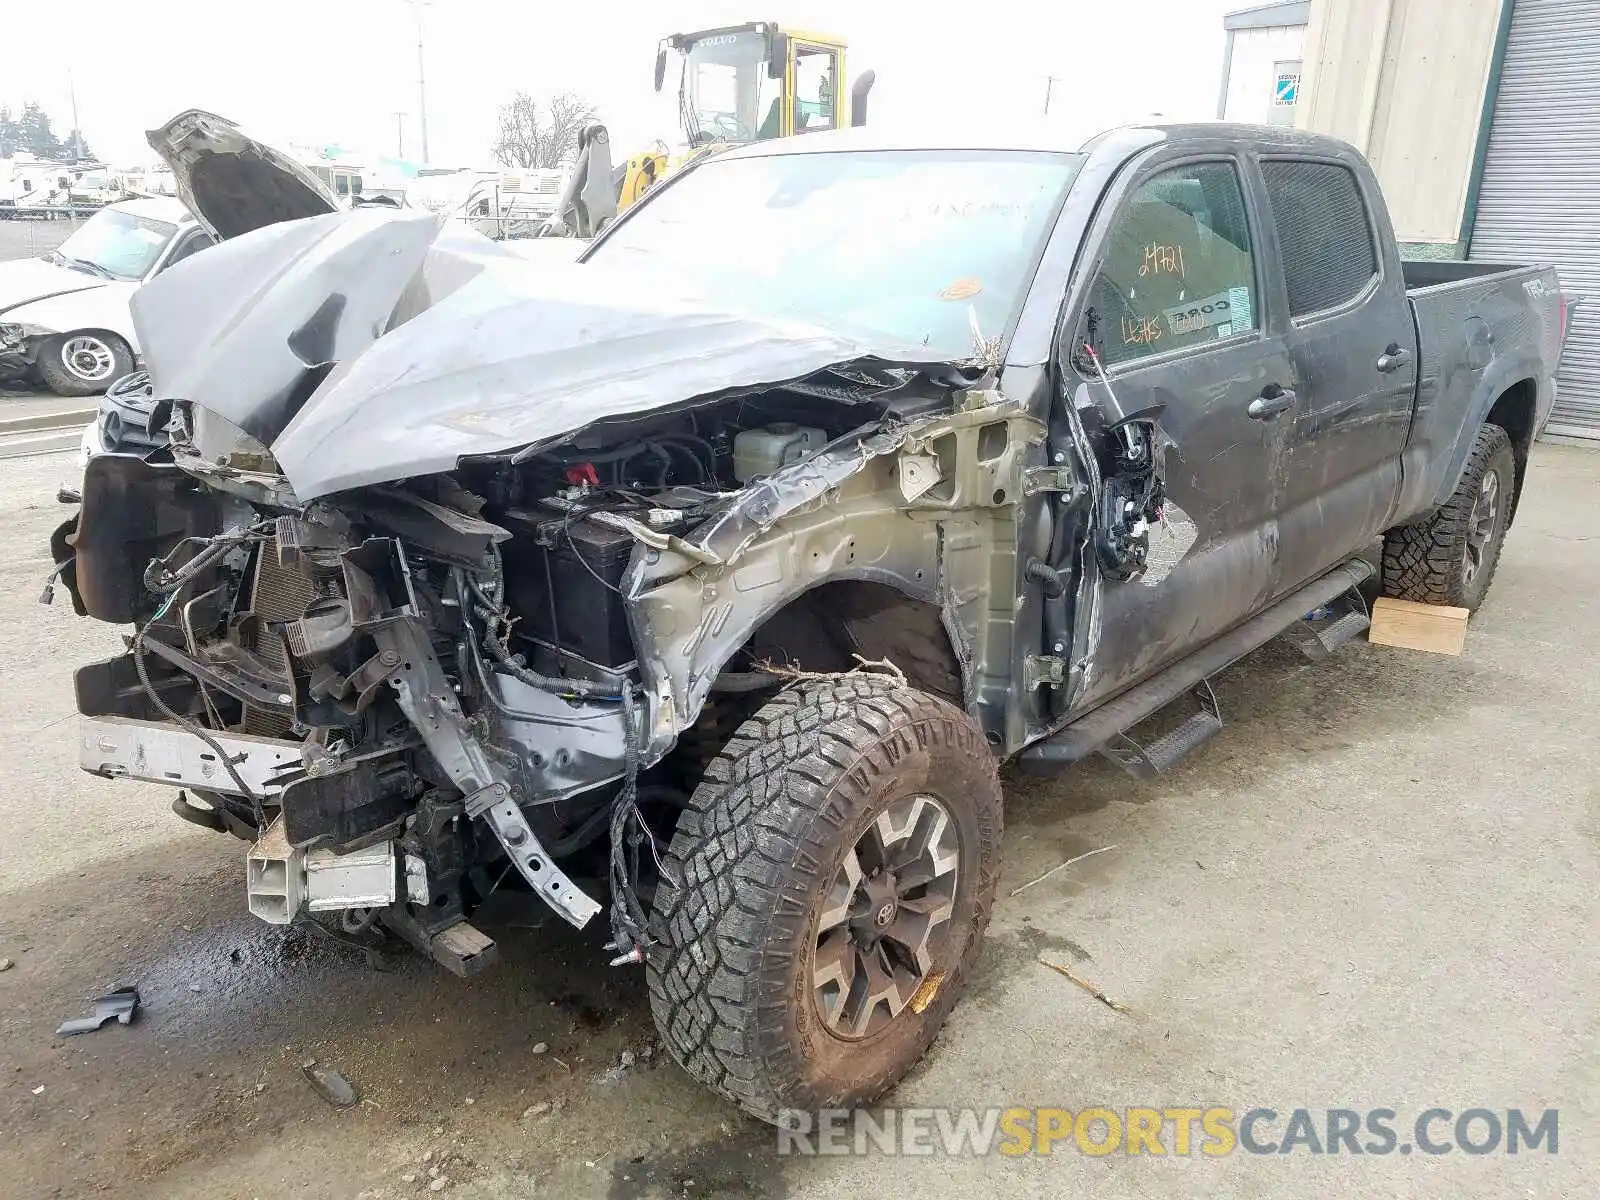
point(400, 692)
point(448, 572)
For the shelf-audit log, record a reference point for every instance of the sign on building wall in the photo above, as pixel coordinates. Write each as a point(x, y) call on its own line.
point(1285, 91)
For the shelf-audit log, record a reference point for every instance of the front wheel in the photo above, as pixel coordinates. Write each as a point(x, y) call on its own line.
point(84, 363)
point(824, 895)
point(1450, 558)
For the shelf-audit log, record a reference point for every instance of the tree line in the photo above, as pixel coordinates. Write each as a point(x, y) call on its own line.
point(30, 133)
point(532, 134)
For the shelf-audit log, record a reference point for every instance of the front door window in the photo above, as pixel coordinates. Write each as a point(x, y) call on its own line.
point(1179, 271)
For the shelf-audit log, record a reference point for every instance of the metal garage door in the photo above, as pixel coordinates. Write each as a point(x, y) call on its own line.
point(1540, 201)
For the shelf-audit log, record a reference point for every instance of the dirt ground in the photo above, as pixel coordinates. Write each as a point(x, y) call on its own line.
point(1380, 887)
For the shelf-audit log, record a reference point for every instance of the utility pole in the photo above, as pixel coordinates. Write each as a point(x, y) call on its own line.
point(1049, 85)
point(400, 133)
point(422, 86)
point(77, 133)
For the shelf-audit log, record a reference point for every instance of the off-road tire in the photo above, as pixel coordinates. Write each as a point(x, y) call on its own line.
point(1426, 562)
point(64, 382)
point(729, 968)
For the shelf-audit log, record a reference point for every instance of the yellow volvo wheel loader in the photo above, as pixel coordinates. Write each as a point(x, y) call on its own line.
point(736, 84)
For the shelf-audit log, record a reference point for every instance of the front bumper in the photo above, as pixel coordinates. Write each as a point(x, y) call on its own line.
point(15, 361)
point(373, 642)
point(281, 881)
point(19, 347)
point(90, 444)
point(160, 752)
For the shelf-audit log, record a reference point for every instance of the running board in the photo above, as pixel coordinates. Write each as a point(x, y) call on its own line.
point(1323, 630)
point(1161, 755)
point(1099, 726)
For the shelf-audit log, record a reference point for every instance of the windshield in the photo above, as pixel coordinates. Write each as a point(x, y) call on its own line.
point(910, 246)
point(117, 243)
point(726, 88)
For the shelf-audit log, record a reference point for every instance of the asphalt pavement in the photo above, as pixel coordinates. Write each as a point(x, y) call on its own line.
point(32, 237)
point(34, 421)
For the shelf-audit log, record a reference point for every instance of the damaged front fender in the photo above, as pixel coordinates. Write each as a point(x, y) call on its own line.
point(844, 515)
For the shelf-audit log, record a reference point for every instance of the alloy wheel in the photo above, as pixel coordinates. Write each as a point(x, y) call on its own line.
point(884, 917)
point(88, 358)
point(1481, 526)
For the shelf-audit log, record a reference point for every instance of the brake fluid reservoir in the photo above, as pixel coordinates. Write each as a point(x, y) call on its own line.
point(759, 452)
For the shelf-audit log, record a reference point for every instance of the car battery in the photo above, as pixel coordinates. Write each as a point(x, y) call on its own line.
point(563, 583)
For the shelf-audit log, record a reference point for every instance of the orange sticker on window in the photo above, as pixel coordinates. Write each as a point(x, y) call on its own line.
point(961, 289)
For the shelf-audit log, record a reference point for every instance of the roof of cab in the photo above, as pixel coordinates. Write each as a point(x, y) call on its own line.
point(157, 208)
point(1022, 135)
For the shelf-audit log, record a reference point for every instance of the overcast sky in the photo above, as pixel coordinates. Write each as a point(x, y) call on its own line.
point(336, 71)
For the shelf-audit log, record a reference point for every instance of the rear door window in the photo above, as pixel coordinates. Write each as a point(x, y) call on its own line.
point(1324, 234)
point(1179, 269)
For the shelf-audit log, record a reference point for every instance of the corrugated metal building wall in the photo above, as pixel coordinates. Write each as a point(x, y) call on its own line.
point(1540, 196)
point(1482, 119)
point(1403, 81)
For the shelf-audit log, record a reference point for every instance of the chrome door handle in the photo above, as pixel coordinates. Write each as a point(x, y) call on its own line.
point(1393, 358)
point(1270, 403)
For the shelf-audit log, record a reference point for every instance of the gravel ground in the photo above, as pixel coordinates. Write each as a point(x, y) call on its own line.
point(1378, 888)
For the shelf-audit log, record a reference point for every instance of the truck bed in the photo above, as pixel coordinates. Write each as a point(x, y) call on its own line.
point(1483, 329)
point(1427, 273)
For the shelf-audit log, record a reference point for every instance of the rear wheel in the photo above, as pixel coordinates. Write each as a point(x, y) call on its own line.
point(83, 363)
point(825, 895)
point(1450, 558)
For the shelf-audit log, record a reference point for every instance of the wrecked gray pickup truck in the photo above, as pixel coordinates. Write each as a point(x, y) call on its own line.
point(709, 579)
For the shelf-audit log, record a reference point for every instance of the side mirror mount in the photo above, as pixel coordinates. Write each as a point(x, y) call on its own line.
point(858, 96)
point(1087, 334)
point(777, 55)
point(661, 67)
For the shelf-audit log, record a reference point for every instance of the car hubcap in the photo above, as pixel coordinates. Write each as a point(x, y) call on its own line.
point(88, 358)
point(885, 913)
point(1480, 526)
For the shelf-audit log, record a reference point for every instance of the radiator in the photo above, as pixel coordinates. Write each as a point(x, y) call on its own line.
point(277, 593)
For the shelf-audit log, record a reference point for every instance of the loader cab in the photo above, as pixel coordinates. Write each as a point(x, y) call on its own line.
point(754, 82)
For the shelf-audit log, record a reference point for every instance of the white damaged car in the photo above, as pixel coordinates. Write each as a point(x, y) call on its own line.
point(64, 318)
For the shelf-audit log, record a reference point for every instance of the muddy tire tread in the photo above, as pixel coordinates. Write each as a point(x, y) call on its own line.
point(729, 875)
point(1423, 562)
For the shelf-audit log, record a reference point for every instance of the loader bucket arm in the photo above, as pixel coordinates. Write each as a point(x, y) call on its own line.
point(589, 201)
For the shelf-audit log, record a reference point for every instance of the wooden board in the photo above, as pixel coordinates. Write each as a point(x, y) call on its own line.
point(1437, 628)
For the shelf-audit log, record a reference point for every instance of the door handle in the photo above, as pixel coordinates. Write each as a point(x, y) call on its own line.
point(1393, 358)
point(1272, 401)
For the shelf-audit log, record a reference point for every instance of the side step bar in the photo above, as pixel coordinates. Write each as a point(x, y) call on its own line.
point(1161, 755)
point(1099, 726)
point(1322, 631)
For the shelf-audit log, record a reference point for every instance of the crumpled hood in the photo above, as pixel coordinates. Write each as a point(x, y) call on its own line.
point(445, 345)
point(25, 280)
point(231, 182)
